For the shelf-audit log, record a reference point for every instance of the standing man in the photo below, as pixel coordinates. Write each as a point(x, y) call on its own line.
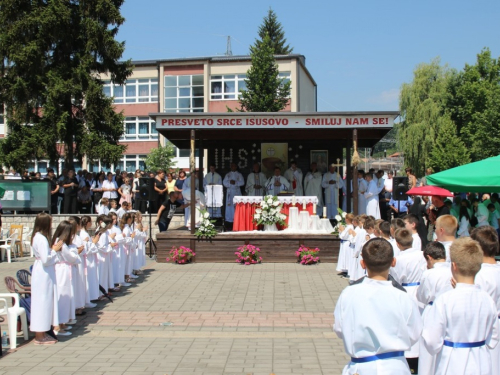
point(255, 182)
point(371, 195)
point(312, 185)
point(381, 195)
point(362, 188)
point(277, 183)
point(54, 190)
point(294, 176)
point(232, 181)
point(213, 179)
point(332, 183)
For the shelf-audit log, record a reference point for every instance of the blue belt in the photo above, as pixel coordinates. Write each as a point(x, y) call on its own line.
point(410, 284)
point(342, 241)
point(464, 344)
point(432, 303)
point(377, 357)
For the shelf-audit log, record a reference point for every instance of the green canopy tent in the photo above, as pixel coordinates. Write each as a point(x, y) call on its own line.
point(478, 177)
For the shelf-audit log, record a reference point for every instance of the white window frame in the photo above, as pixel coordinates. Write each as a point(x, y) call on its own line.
point(151, 135)
point(136, 83)
point(178, 87)
point(137, 159)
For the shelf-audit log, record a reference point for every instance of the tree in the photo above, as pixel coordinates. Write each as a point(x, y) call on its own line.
point(448, 151)
point(52, 54)
point(423, 105)
point(274, 30)
point(265, 91)
point(475, 105)
point(161, 158)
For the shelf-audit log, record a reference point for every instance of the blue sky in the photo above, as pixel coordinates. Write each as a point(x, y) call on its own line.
point(358, 51)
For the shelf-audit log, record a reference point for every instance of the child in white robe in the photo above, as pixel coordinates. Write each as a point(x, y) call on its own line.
point(128, 236)
point(357, 272)
point(376, 321)
point(344, 252)
point(103, 245)
point(90, 259)
point(140, 239)
point(118, 255)
point(78, 270)
point(369, 228)
point(352, 244)
point(396, 224)
point(102, 207)
point(435, 281)
point(488, 277)
point(462, 324)
point(411, 223)
point(44, 311)
point(445, 231)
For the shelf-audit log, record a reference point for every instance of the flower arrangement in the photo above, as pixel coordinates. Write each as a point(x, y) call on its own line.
point(248, 254)
point(181, 255)
point(340, 218)
point(207, 227)
point(307, 255)
point(269, 212)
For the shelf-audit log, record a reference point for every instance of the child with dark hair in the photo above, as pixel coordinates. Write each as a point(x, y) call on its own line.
point(376, 322)
point(396, 224)
point(369, 228)
point(411, 223)
point(435, 281)
point(345, 255)
point(462, 324)
point(359, 238)
point(488, 277)
point(103, 224)
point(91, 271)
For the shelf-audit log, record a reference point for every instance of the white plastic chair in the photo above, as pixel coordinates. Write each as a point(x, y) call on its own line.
point(12, 313)
point(8, 247)
point(27, 240)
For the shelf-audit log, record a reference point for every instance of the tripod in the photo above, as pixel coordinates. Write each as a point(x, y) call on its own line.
point(150, 238)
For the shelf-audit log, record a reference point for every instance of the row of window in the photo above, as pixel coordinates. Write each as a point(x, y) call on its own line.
point(143, 90)
point(139, 129)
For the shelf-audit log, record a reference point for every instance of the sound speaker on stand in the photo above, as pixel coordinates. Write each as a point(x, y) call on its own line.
point(399, 188)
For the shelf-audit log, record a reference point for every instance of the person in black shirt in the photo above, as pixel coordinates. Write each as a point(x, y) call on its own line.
point(54, 190)
point(167, 210)
point(70, 185)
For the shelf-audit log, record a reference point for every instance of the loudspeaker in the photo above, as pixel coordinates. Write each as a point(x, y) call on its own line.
point(147, 191)
point(399, 188)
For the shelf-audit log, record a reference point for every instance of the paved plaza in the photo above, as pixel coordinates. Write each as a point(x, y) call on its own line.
point(200, 319)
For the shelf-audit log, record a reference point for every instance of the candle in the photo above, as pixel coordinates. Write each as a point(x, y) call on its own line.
point(324, 212)
point(304, 204)
point(314, 209)
point(293, 200)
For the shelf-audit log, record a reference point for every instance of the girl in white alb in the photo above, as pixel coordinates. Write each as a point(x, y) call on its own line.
point(128, 235)
point(90, 259)
point(104, 247)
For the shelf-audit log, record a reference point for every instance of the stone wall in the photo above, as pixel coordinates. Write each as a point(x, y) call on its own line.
point(27, 221)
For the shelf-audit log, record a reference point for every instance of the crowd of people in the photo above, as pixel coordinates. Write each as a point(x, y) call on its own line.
point(415, 306)
point(75, 269)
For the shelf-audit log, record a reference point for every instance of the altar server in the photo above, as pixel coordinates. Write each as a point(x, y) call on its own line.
point(435, 281)
point(233, 181)
point(294, 176)
point(371, 196)
point(44, 311)
point(462, 324)
point(488, 277)
point(277, 183)
point(255, 182)
point(332, 182)
point(376, 321)
point(213, 179)
point(312, 186)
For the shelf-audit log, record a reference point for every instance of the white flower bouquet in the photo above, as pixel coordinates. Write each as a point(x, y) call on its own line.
point(207, 228)
point(269, 212)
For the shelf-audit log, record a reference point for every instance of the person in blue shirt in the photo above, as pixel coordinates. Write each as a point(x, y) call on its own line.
point(400, 208)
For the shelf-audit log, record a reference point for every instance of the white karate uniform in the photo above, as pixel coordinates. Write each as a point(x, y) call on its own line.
point(344, 252)
point(417, 242)
point(435, 281)
point(232, 191)
point(371, 196)
point(373, 318)
point(465, 314)
point(44, 311)
point(357, 271)
point(256, 179)
point(488, 279)
point(332, 192)
point(312, 187)
point(297, 176)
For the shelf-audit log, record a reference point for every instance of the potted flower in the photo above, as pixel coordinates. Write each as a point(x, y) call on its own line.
point(181, 255)
point(207, 228)
point(269, 213)
point(248, 254)
point(307, 255)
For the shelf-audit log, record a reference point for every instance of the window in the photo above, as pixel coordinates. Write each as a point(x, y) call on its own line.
point(131, 163)
point(227, 87)
point(142, 90)
point(184, 93)
point(139, 129)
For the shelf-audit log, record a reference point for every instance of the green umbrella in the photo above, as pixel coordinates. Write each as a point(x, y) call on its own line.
point(478, 177)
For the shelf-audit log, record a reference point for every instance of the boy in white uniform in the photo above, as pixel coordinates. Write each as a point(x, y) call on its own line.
point(395, 225)
point(462, 324)
point(369, 228)
point(445, 229)
point(411, 222)
point(376, 321)
point(488, 277)
point(345, 250)
point(359, 239)
point(435, 281)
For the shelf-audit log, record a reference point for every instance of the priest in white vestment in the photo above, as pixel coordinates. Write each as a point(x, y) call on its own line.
point(199, 205)
point(212, 178)
point(277, 183)
point(371, 196)
point(294, 176)
point(332, 182)
point(232, 181)
point(312, 186)
point(362, 188)
point(255, 182)
point(186, 189)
